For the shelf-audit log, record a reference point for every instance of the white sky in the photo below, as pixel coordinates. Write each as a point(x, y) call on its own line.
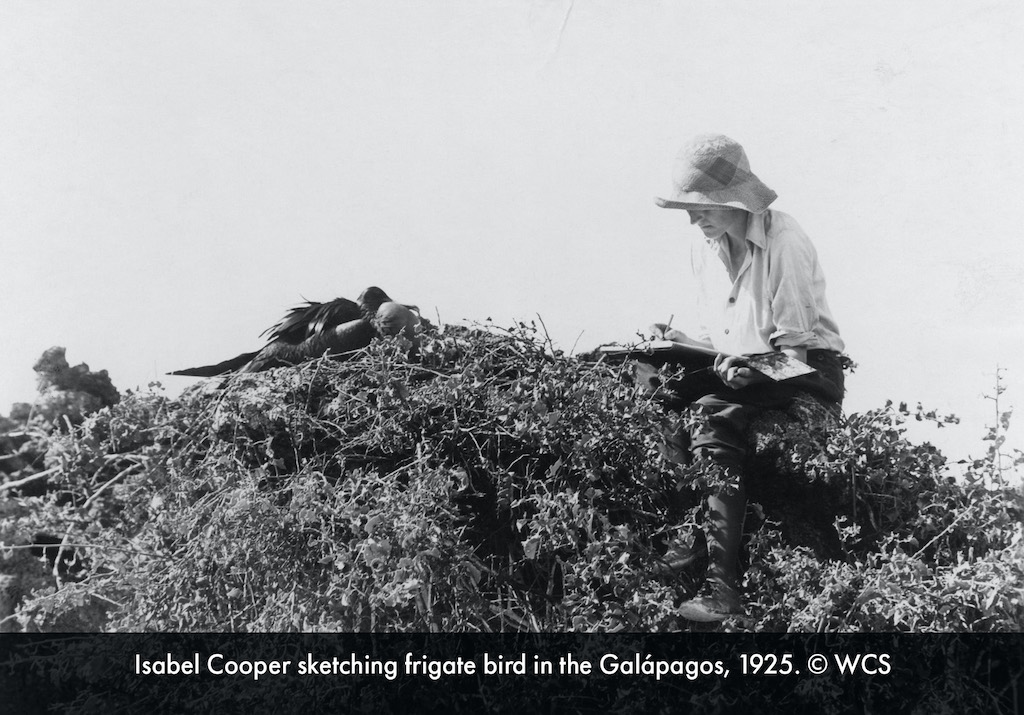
point(174, 175)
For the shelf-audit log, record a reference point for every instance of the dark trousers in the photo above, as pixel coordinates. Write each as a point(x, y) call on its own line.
point(726, 413)
point(721, 436)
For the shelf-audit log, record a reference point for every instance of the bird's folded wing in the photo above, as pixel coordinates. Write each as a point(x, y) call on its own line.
point(307, 320)
point(345, 338)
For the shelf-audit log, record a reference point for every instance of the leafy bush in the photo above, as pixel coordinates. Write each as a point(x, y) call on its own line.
point(486, 484)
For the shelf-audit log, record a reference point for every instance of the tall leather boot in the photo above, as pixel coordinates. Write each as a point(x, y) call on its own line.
point(720, 598)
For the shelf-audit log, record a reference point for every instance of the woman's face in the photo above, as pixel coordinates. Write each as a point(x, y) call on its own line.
point(715, 223)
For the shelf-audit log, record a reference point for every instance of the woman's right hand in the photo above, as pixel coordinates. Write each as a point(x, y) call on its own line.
point(661, 331)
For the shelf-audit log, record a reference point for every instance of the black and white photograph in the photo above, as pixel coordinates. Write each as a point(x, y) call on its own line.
point(670, 335)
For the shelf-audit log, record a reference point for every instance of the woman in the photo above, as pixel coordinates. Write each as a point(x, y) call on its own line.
point(760, 289)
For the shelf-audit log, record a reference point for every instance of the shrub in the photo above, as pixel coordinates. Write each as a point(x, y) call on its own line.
point(486, 484)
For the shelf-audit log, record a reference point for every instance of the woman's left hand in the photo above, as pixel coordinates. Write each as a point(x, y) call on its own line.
point(734, 373)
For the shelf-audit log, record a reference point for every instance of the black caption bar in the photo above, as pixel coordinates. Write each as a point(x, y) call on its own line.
point(889, 673)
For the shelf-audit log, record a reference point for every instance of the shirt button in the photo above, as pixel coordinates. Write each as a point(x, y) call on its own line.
point(726, 331)
point(732, 300)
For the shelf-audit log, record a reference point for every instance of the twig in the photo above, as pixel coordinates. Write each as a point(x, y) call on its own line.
point(949, 526)
point(547, 337)
point(853, 490)
point(576, 342)
point(31, 478)
point(108, 600)
point(312, 382)
point(17, 434)
point(101, 547)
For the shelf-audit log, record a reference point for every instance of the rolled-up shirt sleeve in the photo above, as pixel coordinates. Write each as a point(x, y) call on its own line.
point(794, 284)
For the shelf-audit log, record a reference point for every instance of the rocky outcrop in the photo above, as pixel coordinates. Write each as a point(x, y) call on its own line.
point(67, 395)
point(67, 392)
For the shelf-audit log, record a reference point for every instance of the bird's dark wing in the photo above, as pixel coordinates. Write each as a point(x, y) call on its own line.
point(336, 340)
point(219, 369)
point(310, 319)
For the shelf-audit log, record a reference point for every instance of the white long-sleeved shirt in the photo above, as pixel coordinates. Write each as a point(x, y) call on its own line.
point(778, 297)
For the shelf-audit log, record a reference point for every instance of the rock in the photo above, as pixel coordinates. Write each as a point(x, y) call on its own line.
point(21, 411)
point(70, 392)
point(55, 373)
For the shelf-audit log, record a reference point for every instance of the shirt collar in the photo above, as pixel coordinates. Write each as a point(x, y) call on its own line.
point(755, 229)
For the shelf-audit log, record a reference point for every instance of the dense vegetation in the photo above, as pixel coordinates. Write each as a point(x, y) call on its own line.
point(487, 483)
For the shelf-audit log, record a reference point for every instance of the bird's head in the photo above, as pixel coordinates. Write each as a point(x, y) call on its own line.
point(372, 298)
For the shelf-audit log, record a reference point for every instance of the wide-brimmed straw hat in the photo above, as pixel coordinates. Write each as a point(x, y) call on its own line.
point(712, 171)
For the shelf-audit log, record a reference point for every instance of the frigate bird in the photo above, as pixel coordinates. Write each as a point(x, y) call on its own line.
point(313, 329)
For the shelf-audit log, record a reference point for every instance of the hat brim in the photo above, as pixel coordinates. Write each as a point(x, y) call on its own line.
point(699, 205)
point(750, 195)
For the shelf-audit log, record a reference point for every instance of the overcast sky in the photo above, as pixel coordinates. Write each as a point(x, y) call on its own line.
point(175, 175)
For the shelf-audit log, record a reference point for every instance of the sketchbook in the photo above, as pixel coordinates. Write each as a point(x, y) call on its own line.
point(775, 365)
